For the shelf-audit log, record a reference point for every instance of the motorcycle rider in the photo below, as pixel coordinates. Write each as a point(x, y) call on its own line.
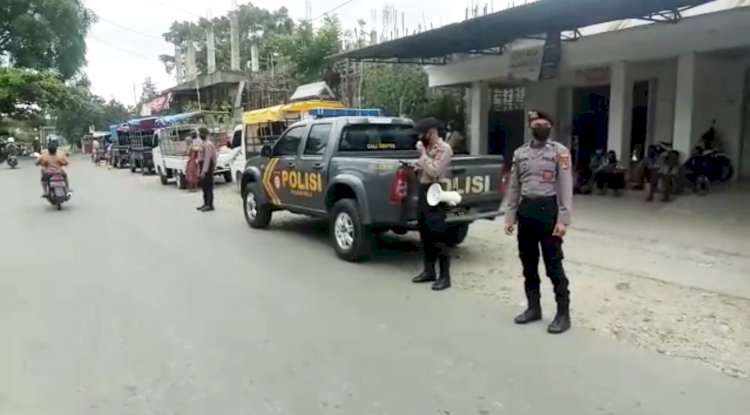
point(11, 149)
point(52, 163)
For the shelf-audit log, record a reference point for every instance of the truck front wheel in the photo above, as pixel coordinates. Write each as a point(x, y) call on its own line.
point(456, 234)
point(351, 240)
point(257, 215)
point(227, 176)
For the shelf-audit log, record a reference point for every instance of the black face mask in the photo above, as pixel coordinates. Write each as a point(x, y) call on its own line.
point(541, 133)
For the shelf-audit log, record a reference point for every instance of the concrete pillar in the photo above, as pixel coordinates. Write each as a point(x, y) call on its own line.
point(620, 110)
point(479, 108)
point(685, 133)
point(564, 120)
point(541, 96)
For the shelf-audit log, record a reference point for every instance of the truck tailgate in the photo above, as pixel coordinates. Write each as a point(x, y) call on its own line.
point(477, 178)
point(479, 181)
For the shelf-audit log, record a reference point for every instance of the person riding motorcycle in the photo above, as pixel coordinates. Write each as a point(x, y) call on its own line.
point(11, 149)
point(52, 163)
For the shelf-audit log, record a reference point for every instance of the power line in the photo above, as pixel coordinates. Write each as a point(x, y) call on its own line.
point(169, 6)
point(121, 49)
point(131, 30)
point(331, 10)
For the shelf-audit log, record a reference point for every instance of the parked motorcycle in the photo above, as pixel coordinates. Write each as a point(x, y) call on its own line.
point(58, 192)
point(719, 166)
point(12, 161)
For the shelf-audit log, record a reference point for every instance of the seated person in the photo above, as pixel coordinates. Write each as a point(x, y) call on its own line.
point(610, 175)
point(667, 174)
point(52, 163)
point(647, 167)
point(695, 167)
point(587, 172)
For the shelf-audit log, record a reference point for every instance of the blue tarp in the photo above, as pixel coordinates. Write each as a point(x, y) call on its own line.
point(169, 120)
point(137, 121)
point(113, 132)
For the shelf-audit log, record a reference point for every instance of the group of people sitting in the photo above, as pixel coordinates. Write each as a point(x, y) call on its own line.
point(660, 169)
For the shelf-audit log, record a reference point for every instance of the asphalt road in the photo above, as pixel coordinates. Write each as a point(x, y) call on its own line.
point(130, 302)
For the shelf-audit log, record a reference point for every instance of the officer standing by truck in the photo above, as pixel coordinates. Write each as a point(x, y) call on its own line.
point(433, 165)
point(539, 200)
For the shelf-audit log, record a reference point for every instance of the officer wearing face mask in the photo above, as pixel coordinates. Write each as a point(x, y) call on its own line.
point(539, 201)
point(432, 166)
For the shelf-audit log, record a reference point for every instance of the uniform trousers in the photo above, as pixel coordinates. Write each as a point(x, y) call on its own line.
point(536, 221)
point(432, 229)
point(207, 184)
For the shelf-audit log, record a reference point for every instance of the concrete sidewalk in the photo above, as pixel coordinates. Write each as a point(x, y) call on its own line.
point(700, 242)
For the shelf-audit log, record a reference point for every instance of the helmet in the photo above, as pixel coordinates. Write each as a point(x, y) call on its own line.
point(52, 145)
point(11, 140)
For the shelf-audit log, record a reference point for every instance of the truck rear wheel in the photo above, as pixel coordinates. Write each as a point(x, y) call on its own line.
point(162, 177)
point(257, 215)
point(180, 180)
point(456, 234)
point(351, 240)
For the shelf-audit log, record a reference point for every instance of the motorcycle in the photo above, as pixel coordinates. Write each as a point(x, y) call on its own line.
point(719, 166)
point(58, 192)
point(12, 161)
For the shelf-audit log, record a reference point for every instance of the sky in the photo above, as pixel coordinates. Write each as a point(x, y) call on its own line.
point(125, 44)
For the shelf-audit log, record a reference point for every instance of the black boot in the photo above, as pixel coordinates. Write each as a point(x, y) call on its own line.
point(561, 323)
point(444, 282)
point(533, 312)
point(428, 275)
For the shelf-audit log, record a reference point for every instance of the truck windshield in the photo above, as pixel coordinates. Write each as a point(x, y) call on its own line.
point(378, 137)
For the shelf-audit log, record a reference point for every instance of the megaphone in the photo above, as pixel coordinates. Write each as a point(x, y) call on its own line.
point(436, 195)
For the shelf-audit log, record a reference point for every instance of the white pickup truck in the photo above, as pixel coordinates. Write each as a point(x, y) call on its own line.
point(170, 155)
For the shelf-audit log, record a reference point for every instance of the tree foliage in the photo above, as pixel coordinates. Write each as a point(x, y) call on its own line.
point(25, 92)
point(83, 109)
point(396, 89)
point(307, 51)
point(148, 90)
point(45, 34)
point(404, 90)
point(257, 26)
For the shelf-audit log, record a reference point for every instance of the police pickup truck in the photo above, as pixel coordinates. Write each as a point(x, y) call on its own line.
point(355, 171)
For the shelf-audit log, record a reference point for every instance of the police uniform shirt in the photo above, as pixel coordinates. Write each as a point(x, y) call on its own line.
point(541, 172)
point(435, 162)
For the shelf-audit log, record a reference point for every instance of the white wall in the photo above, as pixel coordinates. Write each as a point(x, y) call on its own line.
point(707, 32)
point(709, 88)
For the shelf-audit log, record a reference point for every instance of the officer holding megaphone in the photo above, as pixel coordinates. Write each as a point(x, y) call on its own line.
point(432, 166)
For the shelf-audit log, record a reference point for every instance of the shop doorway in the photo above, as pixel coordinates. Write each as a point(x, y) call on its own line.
point(640, 121)
point(590, 122)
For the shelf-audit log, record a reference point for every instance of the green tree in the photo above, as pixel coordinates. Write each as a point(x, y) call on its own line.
point(45, 34)
point(26, 92)
point(82, 109)
point(308, 50)
point(396, 89)
point(148, 90)
point(257, 25)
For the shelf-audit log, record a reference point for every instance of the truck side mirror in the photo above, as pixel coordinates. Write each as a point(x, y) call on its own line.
point(266, 150)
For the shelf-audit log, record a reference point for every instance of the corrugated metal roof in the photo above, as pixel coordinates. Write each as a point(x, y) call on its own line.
point(498, 29)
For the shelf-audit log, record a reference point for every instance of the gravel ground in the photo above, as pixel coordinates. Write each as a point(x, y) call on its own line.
point(634, 307)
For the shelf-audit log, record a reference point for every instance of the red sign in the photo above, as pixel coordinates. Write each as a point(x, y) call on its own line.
point(161, 103)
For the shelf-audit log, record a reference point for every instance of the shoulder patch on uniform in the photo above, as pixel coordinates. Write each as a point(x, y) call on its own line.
point(564, 160)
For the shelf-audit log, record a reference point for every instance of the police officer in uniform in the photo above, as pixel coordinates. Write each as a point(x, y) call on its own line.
point(433, 165)
point(539, 200)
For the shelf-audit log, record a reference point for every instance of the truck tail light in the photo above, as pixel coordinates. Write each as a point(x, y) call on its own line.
point(400, 186)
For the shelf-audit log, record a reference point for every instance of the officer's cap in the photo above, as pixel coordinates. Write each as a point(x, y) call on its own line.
point(540, 115)
point(427, 124)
